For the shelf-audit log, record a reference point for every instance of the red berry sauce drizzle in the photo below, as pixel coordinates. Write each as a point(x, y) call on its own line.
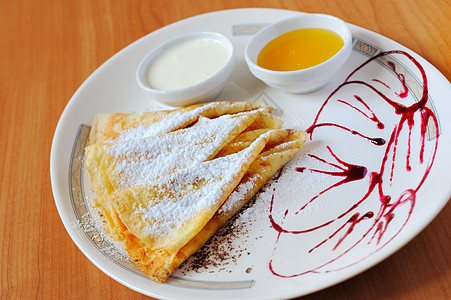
point(387, 205)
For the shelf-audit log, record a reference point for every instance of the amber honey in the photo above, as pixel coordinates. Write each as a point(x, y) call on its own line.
point(299, 49)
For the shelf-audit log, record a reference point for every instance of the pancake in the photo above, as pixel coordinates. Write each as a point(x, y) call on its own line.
point(166, 181)
point(116, 165)
point(160, 264)
point(109, 127)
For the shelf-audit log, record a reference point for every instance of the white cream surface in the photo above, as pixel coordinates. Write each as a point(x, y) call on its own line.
point(187, 63)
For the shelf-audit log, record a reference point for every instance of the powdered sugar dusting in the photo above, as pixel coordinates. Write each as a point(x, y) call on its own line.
point(190, 191)
point(175, 121)
point(287, 187)
point(189, 182)
point(138, 159)
point(294, 120)
point(238, 194)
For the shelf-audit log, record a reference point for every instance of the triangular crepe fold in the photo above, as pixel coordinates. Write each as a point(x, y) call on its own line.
point(166, 181)
point(167, 214)
point(110, 127)
point(159, 264)
point(115, 166)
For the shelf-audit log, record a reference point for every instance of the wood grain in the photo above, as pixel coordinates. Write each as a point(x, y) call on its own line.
point(49, 47)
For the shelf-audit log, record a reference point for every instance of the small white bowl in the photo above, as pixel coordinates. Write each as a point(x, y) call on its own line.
point(206, 90)
point(305, 80)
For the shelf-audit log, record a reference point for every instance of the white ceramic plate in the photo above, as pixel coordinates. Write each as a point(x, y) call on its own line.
point(343, 205)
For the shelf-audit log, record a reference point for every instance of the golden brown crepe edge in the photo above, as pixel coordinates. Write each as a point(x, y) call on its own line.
point(159, 265)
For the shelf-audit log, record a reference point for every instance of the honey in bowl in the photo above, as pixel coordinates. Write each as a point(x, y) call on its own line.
point(299, 49)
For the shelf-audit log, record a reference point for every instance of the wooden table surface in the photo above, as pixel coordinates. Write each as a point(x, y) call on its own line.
point(49, 47)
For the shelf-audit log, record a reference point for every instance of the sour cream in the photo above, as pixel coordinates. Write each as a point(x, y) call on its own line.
point(187, 63)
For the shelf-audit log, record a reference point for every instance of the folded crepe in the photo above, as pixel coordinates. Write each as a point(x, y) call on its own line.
point(132, 157)
point(108, 127)
point(167, 181)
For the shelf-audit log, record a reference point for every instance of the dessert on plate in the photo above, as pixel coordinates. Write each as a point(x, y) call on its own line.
point(166, 181)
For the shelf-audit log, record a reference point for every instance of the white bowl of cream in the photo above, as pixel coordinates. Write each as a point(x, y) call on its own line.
point(190, 68)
